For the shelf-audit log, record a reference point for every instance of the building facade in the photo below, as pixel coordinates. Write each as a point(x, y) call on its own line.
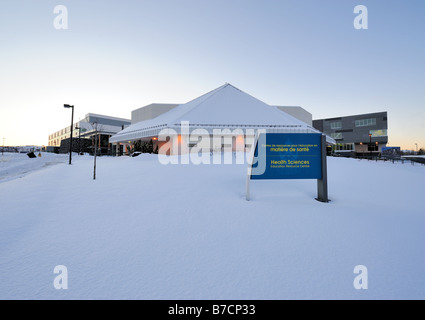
point(298, 113)
point(362, 135)
point(88, 128)
point(225, 118)
point(150, 111)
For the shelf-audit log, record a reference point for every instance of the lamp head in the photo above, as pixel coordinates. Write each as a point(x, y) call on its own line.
point(68, 106)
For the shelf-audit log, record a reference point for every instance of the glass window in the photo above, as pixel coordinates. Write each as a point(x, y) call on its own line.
point(343, 147)
point(365, 122)
point(378, 133)
point(372, 147)
point(336, 125)
point(336, 135)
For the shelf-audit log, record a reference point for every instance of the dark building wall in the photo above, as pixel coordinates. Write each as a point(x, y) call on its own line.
point(318, 124)
point(77, 145)
point(356, 128)
point(351, 133)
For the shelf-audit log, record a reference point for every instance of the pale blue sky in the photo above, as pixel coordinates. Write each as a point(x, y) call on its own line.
point(117, 56)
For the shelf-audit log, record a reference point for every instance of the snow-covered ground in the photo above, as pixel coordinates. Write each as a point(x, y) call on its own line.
point(17, 165)
point(143, 230)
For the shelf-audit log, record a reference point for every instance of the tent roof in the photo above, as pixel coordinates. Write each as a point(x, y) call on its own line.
point(226, 106)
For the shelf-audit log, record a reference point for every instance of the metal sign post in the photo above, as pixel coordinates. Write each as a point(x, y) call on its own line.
point(322, 184)
point(251, 159)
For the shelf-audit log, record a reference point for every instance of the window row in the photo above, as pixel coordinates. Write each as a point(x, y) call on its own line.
point(343, 147)
point(365, 122)
point(336, 125)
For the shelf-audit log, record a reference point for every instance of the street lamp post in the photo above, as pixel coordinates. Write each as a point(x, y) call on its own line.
point(370, 146)
point(415, 145)
point(79, 139)
point(95, 150)
point(2, 150)
point(72, 123)
point(377, 148)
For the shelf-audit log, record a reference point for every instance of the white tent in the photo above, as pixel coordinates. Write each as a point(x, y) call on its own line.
point(224, 107)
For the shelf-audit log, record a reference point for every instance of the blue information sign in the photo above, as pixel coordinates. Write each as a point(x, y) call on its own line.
point(287, 156)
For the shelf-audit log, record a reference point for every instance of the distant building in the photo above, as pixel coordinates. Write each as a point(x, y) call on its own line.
point(20, 149)
point(356, 135)
point(150, 111)
point(93, 124)
point(50, 149)
point(298, 113)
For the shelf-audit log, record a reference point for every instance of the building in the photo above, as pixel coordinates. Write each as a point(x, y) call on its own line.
point(93, 124)
point(50, 149)
point(298, 113)
point(227, 110)
point(361, 135)
point(150, 111)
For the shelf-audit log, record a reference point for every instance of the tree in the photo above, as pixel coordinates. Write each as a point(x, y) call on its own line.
point(138, 145)
point(150, 147)
point(96, 128)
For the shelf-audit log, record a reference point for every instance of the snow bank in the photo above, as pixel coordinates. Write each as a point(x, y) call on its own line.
point(17, 165)
point(147, 231)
